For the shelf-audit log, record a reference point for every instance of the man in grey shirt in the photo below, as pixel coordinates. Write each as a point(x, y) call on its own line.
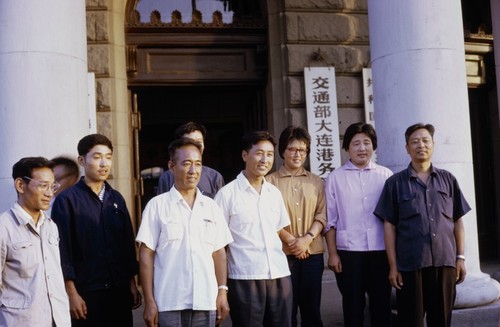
point(32, 291)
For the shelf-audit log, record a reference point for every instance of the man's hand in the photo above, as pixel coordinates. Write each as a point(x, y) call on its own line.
point(460, 269)
point(395, 278)
point(77, 306)
point(150, 314)
point(334, 263)
point(136, 295)
point(222, 306)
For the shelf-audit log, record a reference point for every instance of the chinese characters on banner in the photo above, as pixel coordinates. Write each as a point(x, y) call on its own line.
point(322, 119)
point(368, 94)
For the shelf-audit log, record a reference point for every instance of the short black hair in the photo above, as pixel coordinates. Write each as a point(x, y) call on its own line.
point(430, 128)
point(252, 138)
point(357, 128)
point(89, 141)
point(24, 167)
point(70, 165)
point(179, 143)
point(190, 127)
point(290, 134)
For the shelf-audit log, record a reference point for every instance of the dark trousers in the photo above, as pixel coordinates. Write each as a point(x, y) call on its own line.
point(365, 272)
point(306, 283)
point(262, 302)
point(428, 291)
point(109, 307)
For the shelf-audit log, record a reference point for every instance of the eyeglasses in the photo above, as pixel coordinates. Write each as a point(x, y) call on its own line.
point(44, 186)
point(294, 151)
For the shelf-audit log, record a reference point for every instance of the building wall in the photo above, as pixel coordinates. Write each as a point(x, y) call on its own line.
point(301, 32)
point(326, 33)
point(106, 58)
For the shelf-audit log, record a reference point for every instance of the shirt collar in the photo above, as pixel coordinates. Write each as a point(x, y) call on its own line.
point(245, 184)
point(350, 166)
point(413, 174)
point(177, 196)
point(282, 172)
point(24, 217)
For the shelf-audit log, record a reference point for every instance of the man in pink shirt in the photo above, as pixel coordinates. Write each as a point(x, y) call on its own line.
point(354, 235)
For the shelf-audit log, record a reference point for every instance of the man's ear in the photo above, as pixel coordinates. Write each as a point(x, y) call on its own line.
point(81, 160)
point(19, 185)
point(171, 166)
point(244, 155)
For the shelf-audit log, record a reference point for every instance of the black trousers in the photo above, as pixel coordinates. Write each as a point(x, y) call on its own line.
point(429, 291)
point(365, 273)
point(109, 307)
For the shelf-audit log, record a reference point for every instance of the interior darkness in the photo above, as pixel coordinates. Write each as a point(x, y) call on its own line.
point(227, 112)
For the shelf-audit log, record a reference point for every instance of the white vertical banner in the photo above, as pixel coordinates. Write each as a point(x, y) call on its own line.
point(368, 95)
point(322, 119)
point(91, 103)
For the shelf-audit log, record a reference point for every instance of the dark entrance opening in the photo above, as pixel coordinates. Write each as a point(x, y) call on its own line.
point(227, 112)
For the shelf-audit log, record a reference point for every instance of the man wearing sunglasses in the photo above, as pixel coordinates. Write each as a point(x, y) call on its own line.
point(32, 291)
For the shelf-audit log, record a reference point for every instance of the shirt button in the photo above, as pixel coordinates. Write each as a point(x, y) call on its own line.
point(298, 219)
point(296, 203)
point(433, 235)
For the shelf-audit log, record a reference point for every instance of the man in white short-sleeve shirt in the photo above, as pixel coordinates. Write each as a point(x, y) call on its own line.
point(259, 277)
point(182, 261)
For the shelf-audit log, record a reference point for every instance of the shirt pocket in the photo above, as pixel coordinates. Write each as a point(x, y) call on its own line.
point(20, 302)
point(170, 232)
point(209, 231)
point(24, 253)
point(407, 206)
point(54, 240)
point(409, 223)
point(445, 203)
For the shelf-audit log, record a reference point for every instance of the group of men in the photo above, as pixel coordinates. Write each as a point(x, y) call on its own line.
point(252, 248)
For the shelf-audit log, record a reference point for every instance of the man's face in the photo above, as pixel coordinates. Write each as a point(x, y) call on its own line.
point(32, 195)
point(259, 159)
point(97, 163)
point(360, 150)
point(295, 155)
point(64, 177)
point(186, 168)
point(197, 137)
point(420, 146)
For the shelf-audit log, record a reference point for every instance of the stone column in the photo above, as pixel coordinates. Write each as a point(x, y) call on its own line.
point(417, 53)
point(43, 82)
point(495, 20)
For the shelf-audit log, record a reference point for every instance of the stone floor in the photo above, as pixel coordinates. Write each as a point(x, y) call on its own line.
point(331, 306)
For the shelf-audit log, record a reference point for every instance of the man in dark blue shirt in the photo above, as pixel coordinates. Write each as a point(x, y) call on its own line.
point(210, 180)
point(422, 208)
point(97, 245)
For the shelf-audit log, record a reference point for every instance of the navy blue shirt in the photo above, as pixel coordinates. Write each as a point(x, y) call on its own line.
point(210, 182)
point(96, 238)
point(424, 216)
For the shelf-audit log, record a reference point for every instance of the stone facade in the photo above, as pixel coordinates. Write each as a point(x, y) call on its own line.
point(106, 58)
point(326, 33)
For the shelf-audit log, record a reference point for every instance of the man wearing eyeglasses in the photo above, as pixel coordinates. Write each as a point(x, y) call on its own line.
point(32, 291)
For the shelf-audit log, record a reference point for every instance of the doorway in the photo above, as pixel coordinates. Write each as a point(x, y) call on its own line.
point(227, 112)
